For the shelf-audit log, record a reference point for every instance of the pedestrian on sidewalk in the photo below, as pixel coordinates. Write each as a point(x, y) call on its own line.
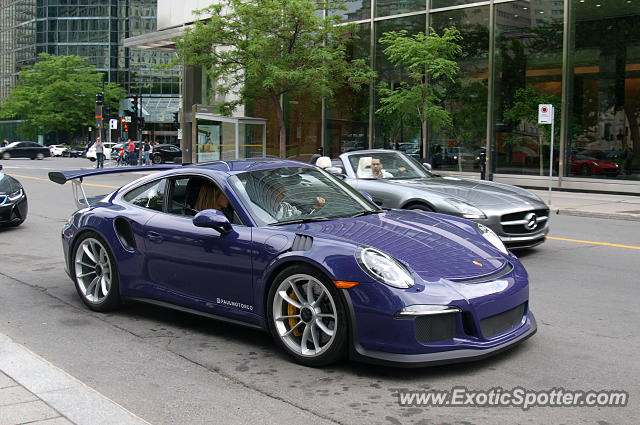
point(131, 153)
point(147, 152)
point(99, 153)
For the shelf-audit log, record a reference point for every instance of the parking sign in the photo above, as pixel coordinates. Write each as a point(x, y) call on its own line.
point(545, 113)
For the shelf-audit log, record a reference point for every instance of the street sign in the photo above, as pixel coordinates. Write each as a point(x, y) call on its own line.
point(127, 118)
point(545, 113)
point(113, 124)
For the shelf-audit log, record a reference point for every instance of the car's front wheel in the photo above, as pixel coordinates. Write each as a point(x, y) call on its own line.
point(95, 273)
point(6, 155)
point(307, 316)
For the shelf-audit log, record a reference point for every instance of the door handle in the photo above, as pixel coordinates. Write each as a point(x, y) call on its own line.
point(154, 237)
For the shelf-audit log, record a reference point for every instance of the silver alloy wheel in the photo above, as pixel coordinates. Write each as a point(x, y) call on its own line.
point(39, 156)
point(6, 155)
point(93, 270)
point(304, 314)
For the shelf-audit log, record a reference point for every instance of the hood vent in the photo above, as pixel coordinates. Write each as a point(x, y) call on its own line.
point(302, 243)
point(496, 275)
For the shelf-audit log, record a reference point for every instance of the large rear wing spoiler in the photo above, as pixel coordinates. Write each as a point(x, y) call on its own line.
point(76, 178)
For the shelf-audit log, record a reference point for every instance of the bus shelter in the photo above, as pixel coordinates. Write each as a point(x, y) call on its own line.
point(220, 137)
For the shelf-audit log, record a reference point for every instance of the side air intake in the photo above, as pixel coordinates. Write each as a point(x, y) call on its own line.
point(302, 243)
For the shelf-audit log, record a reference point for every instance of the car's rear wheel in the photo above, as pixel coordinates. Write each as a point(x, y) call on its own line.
point(307, 316)
point(6, 155)
point(39, 156)
point(157, 159)
point(95, 273)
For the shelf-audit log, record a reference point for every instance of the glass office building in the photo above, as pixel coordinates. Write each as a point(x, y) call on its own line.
point(582, 56)
point(95, 30)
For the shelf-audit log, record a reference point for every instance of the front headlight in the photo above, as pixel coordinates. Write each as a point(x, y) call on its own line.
point(491, 237)
point(382, 267)
point(467, 210)
point(15, 195)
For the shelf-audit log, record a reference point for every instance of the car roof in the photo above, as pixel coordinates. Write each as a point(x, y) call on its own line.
point(245, 165)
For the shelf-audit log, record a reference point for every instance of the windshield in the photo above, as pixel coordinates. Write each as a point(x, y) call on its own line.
point(386, 165)
point(12, 144)
point(297, 194)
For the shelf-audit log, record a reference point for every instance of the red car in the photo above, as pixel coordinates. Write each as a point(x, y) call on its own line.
point(587, 165)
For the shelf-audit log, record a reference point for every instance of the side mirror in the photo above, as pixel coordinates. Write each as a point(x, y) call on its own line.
point(427, 166)
point(336, 171)
point(213, 219)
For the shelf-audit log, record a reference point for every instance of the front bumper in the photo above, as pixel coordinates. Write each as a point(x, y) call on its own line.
point(439, 322)
point(444, 357)
point(14, 213)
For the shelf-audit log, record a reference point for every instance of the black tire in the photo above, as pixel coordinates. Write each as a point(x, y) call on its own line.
point(157, 159)
point(330, 303)
point(419, 207)
point(82, 264)
point(92, 159)
point(586, 171)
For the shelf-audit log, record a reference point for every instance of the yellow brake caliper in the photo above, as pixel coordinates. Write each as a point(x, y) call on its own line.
point(291, 310)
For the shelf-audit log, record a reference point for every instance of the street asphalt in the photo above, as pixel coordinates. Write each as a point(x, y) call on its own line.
point(34, 391)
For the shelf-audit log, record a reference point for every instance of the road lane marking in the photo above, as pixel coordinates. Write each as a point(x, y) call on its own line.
point(595, 243)
point(84, 184)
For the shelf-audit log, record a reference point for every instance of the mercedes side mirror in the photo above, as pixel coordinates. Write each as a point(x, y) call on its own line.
point(427, 166)
point(213, 219)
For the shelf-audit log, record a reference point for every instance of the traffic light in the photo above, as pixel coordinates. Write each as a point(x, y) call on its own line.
point(106, 111)
point(134, 104)
point(176, 119)
point(99, 98)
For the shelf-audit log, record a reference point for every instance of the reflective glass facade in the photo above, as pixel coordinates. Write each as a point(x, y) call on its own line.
point(90, 29)
point(581, 56)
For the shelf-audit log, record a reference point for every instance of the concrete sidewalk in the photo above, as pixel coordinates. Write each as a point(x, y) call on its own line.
point(600, 205)
point(34, 391)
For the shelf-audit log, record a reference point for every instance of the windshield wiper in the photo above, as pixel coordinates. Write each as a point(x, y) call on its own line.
point(360, 214)
point(302, 220)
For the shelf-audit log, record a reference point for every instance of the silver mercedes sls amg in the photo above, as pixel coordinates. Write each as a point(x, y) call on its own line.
point(395, 180)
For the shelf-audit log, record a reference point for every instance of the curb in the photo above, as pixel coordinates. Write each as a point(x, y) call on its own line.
point(596, 214)
point(71, 398)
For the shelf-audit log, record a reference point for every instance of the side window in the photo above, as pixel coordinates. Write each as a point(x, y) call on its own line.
point(150, 195)
point(190, 195)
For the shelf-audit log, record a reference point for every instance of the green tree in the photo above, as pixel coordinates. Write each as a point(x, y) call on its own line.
point(57, 93)
point(265, 49)
point(525, 110)
point(430, 62)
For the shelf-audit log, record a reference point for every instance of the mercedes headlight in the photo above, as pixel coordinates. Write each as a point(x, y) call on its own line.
point(15, 195)
point(382, 267)
point(491, 237)
point(467, 210)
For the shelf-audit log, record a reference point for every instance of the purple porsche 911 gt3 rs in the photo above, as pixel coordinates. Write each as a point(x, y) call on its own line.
point(289, 248)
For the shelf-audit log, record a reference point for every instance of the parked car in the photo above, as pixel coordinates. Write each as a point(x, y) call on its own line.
point(588, 165)
point(91, 152)
point(516, 215)
point(57, 150)
point(73, 152)
point(13, 201)
point(166, 152)
point(287, 247)
point(24, 150)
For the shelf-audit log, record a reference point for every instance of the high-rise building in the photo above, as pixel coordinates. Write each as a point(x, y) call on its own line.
point(95, 30)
